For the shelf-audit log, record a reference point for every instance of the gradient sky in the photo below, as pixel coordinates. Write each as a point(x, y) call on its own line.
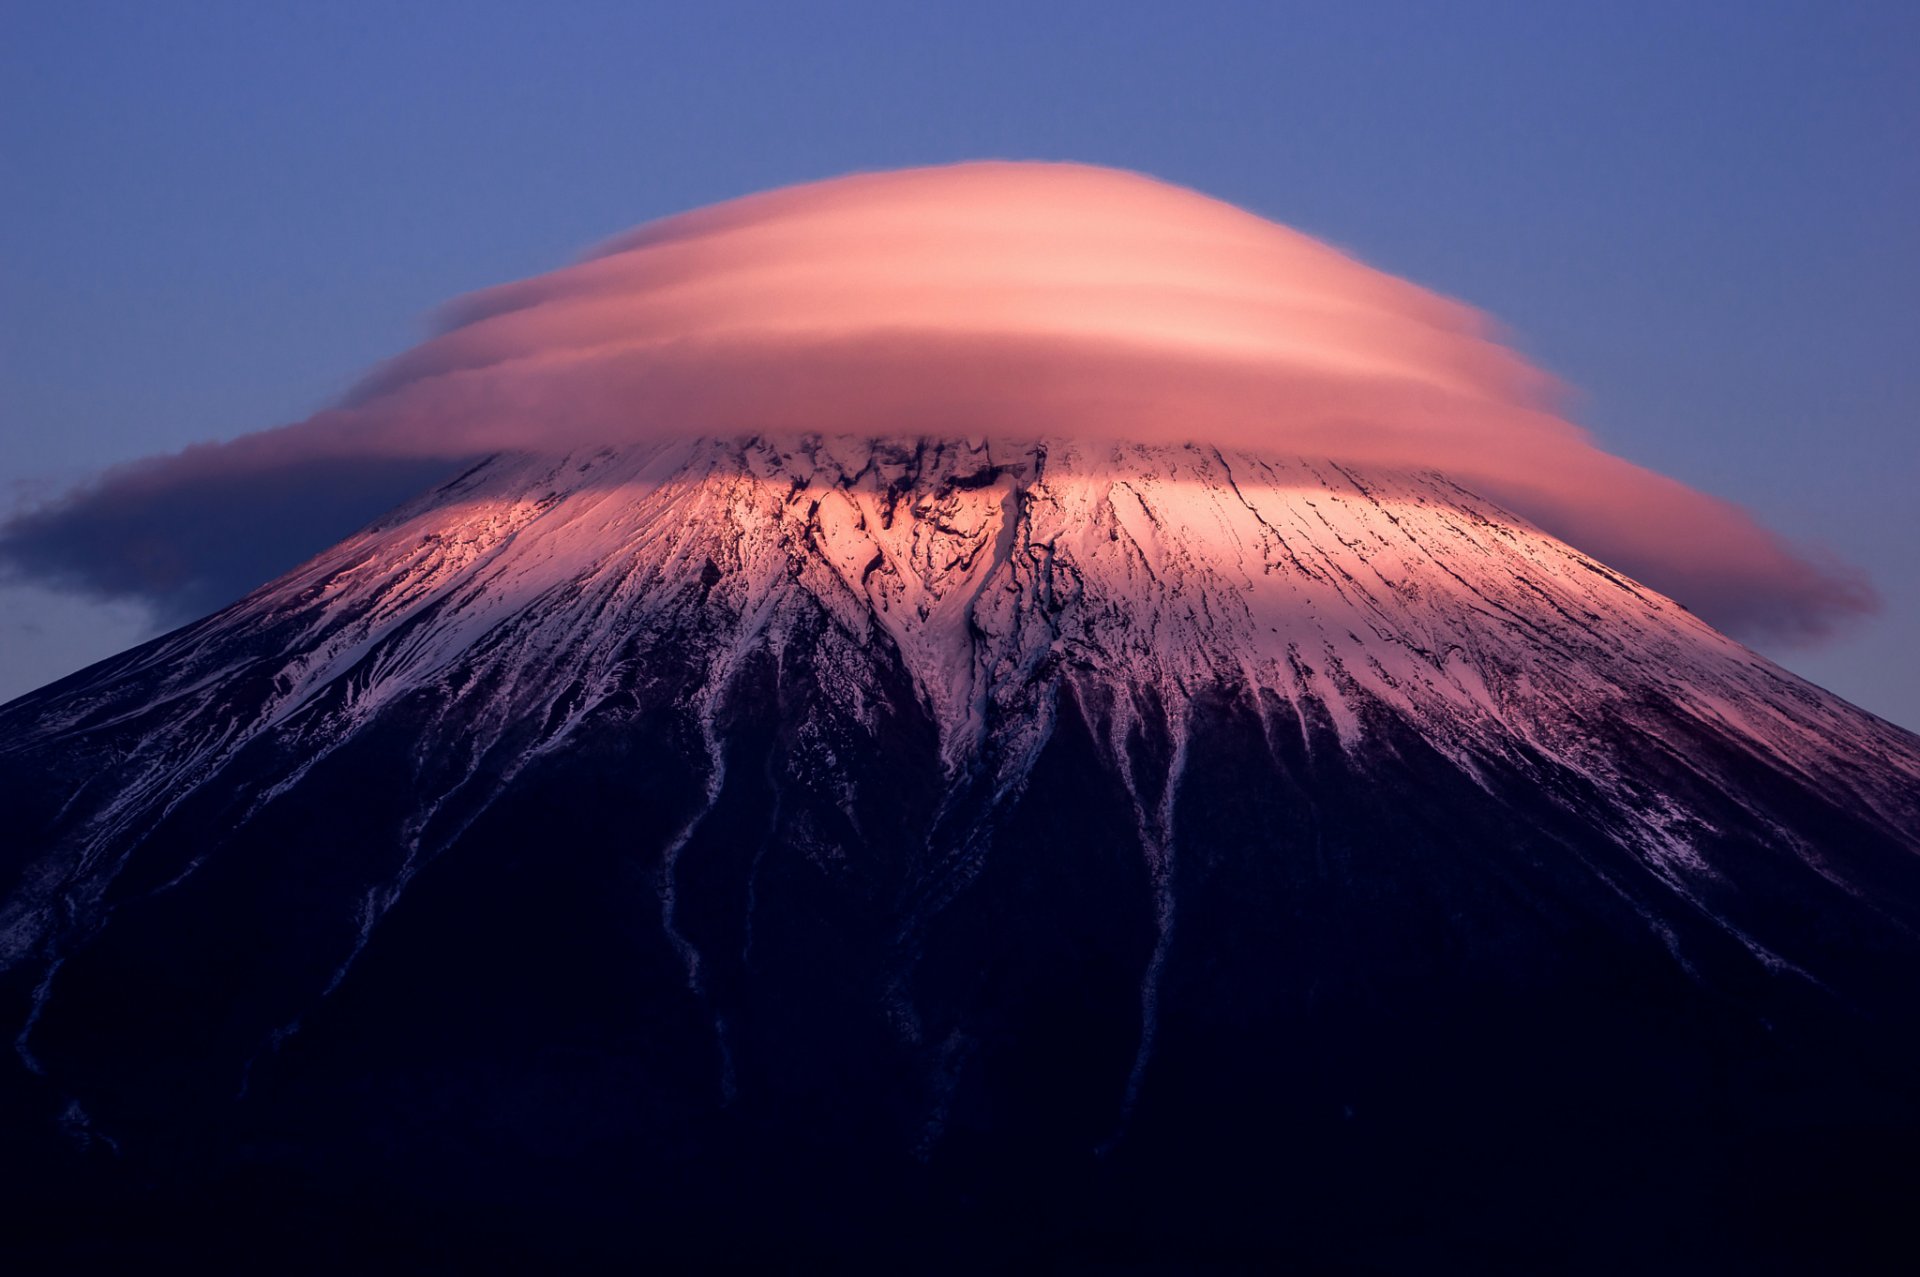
point(1706, 218)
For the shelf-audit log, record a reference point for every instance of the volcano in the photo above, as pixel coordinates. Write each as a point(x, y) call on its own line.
point(791, 849)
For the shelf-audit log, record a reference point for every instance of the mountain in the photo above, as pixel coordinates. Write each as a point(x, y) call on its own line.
point(803, 849)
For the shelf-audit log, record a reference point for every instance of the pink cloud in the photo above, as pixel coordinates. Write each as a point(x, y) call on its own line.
point(1022, 301)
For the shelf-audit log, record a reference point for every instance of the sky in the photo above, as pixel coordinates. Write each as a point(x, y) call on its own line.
point(1702, 218)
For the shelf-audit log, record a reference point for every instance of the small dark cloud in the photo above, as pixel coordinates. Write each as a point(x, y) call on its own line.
point(188, 540)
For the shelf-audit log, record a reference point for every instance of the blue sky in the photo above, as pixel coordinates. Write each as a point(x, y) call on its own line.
point(1703, 217)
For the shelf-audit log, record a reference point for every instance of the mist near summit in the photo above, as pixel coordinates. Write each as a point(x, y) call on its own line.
point(1017, 301)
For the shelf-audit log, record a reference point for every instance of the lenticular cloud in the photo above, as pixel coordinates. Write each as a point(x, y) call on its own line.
point(1021, 301)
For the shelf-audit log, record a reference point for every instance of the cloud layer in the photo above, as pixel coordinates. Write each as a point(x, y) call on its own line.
point(1017, 300)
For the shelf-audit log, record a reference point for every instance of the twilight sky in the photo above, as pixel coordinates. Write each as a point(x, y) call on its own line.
point(1704, 222)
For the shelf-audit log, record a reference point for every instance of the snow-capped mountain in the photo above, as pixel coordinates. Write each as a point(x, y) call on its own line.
point(1210, 841)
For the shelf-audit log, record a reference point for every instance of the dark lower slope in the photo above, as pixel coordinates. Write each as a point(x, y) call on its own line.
point(801, 999)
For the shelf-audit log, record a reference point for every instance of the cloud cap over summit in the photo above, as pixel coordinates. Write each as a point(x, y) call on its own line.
point(1016, 300)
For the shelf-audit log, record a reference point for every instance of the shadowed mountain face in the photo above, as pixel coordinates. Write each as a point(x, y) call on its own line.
point(722, 852)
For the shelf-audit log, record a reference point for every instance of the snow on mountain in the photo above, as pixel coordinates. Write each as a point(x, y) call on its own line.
point(989, 569)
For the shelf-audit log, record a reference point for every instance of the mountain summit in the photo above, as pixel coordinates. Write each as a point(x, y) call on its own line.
point(953, 844)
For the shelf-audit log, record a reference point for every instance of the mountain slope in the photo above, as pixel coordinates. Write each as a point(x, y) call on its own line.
point(794, 825)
